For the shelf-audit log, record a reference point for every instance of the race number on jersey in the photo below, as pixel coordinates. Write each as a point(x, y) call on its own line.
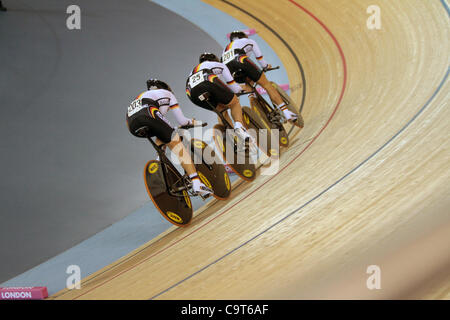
point(228, 56)
point(134, 107)
point(196, 79)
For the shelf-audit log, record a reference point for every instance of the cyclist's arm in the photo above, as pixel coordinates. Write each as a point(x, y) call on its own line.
point(177, 112)
point(230, 81)
point(258, 54)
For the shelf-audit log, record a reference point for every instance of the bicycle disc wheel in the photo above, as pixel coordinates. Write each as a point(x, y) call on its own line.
point(176, 209)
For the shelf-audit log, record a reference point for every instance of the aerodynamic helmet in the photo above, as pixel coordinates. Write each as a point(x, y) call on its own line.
point(153, 84)
point(237, 35)
point(208, 56)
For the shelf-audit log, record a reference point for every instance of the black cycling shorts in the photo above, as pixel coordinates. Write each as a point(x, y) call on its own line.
point(244, 65)
point(154, 125)
point(219, 93)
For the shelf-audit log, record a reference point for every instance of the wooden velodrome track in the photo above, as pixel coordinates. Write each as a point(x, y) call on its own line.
point(366, 182)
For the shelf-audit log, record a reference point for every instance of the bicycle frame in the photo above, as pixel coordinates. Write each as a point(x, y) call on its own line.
point(164, 163)
point(274, 115)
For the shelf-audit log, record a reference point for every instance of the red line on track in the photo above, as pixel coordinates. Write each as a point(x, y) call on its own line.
point(344, 86)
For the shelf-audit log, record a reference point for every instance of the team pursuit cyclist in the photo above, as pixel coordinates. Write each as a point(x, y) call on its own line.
point(236, 57)
point(146, 118)
point(213, 77)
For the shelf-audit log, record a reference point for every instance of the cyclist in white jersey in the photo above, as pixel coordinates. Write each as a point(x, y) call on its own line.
point(215, 79)
point(236, 57)
point(146, 118)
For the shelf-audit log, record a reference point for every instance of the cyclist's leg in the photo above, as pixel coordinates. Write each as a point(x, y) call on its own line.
point(165, 134)
point(222, 108)
point(236, 110)
point(256, 75)
point(236, 114)
point(177, 147)
point(226, 99)
point(275, 97)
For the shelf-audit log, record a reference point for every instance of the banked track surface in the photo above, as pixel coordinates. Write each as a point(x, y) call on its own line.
point(364, 183)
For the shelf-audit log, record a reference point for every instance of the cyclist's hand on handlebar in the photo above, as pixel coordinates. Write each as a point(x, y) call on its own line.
point(269, 68)
point(243, 92)
point(192, 124)
point(198, 123)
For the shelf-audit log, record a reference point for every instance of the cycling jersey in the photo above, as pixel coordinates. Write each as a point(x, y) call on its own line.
point(221, 71)
point(248, 46)
point(166, 100)
point(145, 120)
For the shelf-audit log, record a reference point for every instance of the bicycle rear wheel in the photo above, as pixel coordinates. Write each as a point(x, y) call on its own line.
point(263, 113)
point(176, 209)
